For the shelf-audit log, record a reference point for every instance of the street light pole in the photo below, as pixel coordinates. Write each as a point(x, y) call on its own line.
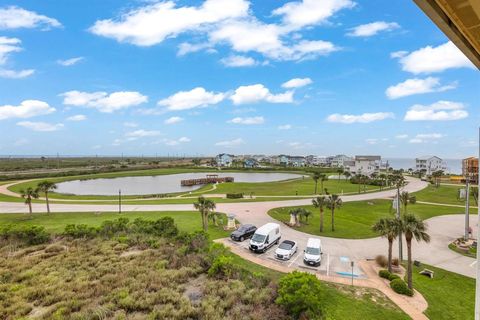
point(119, 201)
point(400, 247)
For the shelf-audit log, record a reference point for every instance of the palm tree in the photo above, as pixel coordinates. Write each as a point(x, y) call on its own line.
point(437, 175)
point(347, 175)
point(46, 187)
point(295, 214)
point(404, 198)
point(413, 227)
point(388, 228)
point(340, 171)
point(320, 203)
point(315, 177)
point(29, 195)
point(204, 206)
point(383, 178)
point(333, 202)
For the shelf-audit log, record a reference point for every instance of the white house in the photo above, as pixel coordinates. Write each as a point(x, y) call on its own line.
point(365, 165)
point(429, 164)
point(296, 161)
point(224, 160)
point(339, 160)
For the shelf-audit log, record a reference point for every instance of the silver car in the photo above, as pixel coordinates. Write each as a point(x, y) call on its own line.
point(286, 250)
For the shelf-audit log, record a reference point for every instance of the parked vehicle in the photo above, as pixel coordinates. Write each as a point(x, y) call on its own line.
point(265, 237)
point(244, 232)
point(286, 250)
point(313, 252)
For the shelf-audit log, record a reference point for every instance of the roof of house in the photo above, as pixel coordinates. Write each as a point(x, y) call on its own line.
point(427, 158)
point(367, 158)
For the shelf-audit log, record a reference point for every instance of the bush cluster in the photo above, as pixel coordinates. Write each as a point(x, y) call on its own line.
point(400, 286)
point(388, 275)
point(234, 195)
point(222, 267)
point(381, 260)
point(30, 235)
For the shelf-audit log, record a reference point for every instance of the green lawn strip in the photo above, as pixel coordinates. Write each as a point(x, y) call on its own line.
point(187, 221)
point(472, 253)
point(354, 220)
point(449, 295)
point(444, 194)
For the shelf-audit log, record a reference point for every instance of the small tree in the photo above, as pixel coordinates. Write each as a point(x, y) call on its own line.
point(301, 294)
point(46, 187)
point(316, 177)
point(320, 203)
point(334, 202)
point(29, 195)
point(436, 177)
point(404, 199)
point(388, 228)
point(204, 206)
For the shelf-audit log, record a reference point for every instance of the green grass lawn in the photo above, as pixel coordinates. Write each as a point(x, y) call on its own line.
point(444, 194)
point(355, 219)
point(449, 295)
point(289, 187)
point(187, 221)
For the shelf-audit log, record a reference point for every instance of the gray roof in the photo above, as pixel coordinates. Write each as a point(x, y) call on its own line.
point(368, 158)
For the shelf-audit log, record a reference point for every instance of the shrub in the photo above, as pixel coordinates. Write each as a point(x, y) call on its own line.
point(399, 286)
point(80, 231)
point(222, 267)
point(234, 195)
point(384, 274)
point(111, 227)
point(413, 199)
point(301, 294)
point(382, 261)
point(30, 235)
point(393, 277)
point(395, 262)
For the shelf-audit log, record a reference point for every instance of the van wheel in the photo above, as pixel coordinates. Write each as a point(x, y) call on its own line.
point(241, 239)
point(264, 250)
point(276, 242)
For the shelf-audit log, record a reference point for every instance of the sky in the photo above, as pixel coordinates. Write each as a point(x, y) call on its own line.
point(244, 77)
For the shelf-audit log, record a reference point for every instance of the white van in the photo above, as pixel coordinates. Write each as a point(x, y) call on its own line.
point(313, 252)
point(265, 237)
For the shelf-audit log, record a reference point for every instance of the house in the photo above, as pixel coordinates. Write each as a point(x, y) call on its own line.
point(470, 169)
point(339, 160)
point(429, 164)
point(283, 160)
point(315, 160)
point(224, 160)
point(365, 165)
point(296, 161)
point(250, 163)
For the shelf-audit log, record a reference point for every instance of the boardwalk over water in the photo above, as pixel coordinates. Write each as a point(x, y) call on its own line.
point(210, 178)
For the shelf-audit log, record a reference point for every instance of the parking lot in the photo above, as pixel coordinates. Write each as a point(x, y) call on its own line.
point(331, 265)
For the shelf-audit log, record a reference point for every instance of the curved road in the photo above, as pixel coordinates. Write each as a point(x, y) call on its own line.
point(443, 229)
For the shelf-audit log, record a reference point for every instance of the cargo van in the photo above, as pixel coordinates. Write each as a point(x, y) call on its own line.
point(265, 237)
point(313, 252)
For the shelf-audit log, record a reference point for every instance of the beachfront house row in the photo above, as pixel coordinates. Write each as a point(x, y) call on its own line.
point(224, 160)
point(365, 165)
point(250, 163)
point(296, 161)
point(339, 160)
point(429, 164)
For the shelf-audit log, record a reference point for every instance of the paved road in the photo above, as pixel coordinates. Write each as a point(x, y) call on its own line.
point(443, 229)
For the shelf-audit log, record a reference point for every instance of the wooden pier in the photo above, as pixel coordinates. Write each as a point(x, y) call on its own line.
point(210, 178)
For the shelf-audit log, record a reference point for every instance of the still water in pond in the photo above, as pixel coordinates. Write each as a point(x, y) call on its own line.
point(159, 184)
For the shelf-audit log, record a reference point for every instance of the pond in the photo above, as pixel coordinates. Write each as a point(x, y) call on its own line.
point(159, 184)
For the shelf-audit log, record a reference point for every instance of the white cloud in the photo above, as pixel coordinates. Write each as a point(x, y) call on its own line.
point(296, 83)
point(434, 59)
point(26, 109)
point(40, 126)
point(14, 74)
point(238, 61)
point(285, 127)
point(310, 12)
point(426, 137)
point(417, 86)
point(70, 62)
point(299, 145)
point(248, 120)
point(78, 117)
point(438, 111)
point(373, 28)
point(185, 48)
point(15, 17)
point(152, 24)
point(142, 133)
point(7, 46)
point(130, 124)
point(401, 136)
point(171, 143)
point(371, 141)
point(173, 120)
point(230, 143)
point(258, 92)
point(195, 98)
point(362, 118)
point(398, 54)
point(104, 102)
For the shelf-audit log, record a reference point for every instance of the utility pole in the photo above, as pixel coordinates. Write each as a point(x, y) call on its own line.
point(467, 209)
point(119, 201)
point(400, 248)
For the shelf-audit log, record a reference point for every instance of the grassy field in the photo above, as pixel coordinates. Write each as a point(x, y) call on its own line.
point(355, 219)
point(450, 296)
point(444, 194)
point(187, 221)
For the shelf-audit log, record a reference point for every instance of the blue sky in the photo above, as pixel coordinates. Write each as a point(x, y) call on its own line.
point(237, 76)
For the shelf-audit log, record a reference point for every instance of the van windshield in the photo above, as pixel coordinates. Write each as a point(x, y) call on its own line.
point(313, 251)
point(258, 237)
